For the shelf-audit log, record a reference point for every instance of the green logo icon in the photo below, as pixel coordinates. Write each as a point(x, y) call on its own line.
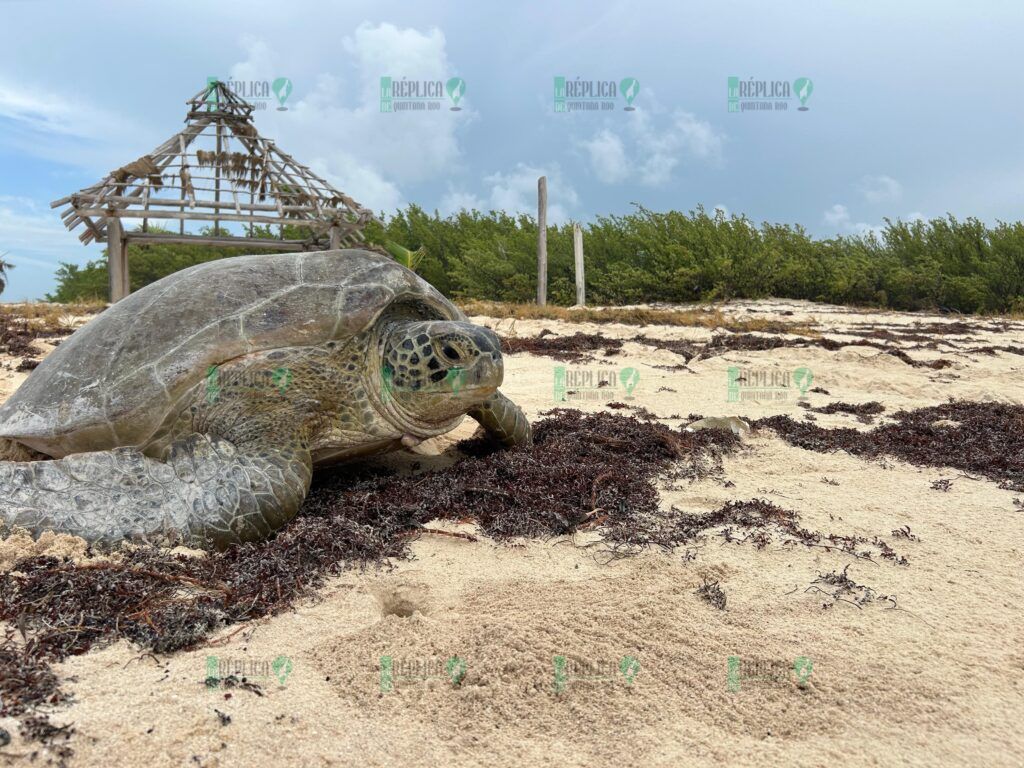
point(386, 103)
point(732, 676)
point(733, 387)
point(803, 667)
point(803, 87)
point(560, 386)
point(212, 671)
point(560, 674)
point(282, 88)
point(282, 667)
point(560, 93)
point(803, 378)
point(212, 388)
point(456, 669)
point(629, 377)
point(387, 674)
point(456, 377)
point(456, 88)
point(630, 668)
point(629, 87)
point(214, 94)
point(282, 378)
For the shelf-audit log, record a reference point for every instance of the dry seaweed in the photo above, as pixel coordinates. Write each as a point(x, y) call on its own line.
point(569, 349)
point(580, 347)
point(840, 588)
point(711, 592)
point(861, 409)
point(986, 439)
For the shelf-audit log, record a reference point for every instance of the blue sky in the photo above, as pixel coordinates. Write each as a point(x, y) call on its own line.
point(915, 109)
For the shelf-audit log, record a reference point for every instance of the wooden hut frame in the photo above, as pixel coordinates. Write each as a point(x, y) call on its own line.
point(242, 178)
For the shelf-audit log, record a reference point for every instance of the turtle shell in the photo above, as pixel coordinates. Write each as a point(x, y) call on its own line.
point(115, 380)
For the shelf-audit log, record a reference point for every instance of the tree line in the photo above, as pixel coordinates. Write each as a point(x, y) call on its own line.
point(647, 256)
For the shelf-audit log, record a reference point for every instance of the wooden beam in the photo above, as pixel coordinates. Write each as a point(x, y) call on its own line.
point(577, 250)
point(335, 233)
point(191, 216)
point(115, 257)
point(172, 203)
point(542, 241)
point(256, 244)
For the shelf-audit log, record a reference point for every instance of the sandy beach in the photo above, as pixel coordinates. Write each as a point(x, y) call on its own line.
point(557, 653)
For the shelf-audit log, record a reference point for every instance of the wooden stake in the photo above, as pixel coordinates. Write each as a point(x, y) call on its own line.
point(542, 241)
point(577, 250)
point(126, 283)
point(335, 237)
point(115, 255)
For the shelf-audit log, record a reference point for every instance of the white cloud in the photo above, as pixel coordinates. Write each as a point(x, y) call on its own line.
point(881, 189)
point(607, 157)
point(838, 216)
point(455, 201)
point(655, 147)
point(30, 231)
point(515, 192)
point(344, 136)
point(62, 128)
point(49, 113)
point(33, 239)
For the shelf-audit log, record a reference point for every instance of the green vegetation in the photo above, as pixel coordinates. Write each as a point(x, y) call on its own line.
point(4, 266)
point(146, 264)
point(675, 257)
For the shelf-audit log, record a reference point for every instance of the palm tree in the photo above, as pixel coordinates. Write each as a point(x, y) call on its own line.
point(4, 266)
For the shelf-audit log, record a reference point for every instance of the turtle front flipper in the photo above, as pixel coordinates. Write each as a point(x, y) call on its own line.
point(504, 421)
point(208, 492)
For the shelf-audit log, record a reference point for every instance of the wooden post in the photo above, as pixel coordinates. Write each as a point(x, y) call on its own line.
point(115, 259)
point(126, 284)
point(216, 183)
point(577, 250)
point(335, 237)
point(542, 241)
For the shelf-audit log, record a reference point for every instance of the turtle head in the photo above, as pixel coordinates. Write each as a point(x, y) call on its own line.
point(440, 369)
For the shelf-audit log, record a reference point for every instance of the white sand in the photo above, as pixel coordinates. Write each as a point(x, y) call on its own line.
point(937, 681)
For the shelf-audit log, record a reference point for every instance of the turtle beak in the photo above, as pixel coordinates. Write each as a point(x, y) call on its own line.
point(489, 371)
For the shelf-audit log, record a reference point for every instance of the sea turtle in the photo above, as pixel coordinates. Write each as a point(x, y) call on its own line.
point(195, 410)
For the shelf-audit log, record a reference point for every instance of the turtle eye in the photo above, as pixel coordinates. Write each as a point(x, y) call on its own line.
point(451, 354)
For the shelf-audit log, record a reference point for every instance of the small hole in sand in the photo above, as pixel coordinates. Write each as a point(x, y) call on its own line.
point(401, 602)
point(399, 607)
